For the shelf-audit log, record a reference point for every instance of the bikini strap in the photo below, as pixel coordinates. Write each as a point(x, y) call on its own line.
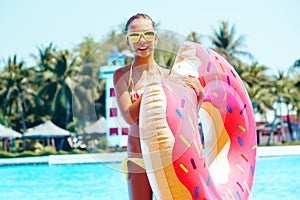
point(130, 80)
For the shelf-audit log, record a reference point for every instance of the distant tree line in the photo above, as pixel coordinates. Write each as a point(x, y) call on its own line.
point(64, 85)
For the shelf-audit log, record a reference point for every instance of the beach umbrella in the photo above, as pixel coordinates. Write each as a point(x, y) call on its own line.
point(97, 127)
point(8, 133)
point(46, 130)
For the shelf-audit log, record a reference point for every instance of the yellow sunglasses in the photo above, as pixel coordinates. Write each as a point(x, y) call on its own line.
point(134, 37)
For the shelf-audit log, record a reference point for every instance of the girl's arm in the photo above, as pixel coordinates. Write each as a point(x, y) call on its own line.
point(129, 111)
point(195, 84)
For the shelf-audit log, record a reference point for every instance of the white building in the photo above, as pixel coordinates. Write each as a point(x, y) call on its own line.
point(116, 127)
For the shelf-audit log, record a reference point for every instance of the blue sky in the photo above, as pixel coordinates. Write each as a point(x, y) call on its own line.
point(271, 27)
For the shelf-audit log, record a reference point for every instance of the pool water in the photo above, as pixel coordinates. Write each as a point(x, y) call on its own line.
point(276, 178)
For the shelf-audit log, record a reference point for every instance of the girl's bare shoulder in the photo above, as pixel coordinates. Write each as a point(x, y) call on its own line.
point(121, 72)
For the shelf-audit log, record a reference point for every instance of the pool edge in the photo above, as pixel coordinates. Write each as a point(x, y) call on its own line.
point(119, 156)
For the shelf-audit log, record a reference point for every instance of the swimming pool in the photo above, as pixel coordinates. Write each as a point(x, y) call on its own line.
point(276, 178)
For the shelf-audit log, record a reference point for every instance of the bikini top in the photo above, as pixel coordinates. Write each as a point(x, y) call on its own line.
point(134, 94)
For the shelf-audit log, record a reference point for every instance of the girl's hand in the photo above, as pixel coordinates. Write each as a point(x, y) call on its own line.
point(194, 83)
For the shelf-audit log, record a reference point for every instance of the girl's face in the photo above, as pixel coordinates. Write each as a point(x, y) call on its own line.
point(144, 46)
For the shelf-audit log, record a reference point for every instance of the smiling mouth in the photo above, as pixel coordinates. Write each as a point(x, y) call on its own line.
point(143, 48)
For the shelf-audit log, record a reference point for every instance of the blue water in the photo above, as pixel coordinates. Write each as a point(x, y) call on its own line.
point(276, 178)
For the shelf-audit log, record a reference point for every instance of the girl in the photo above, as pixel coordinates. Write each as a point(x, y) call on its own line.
point(129, 83)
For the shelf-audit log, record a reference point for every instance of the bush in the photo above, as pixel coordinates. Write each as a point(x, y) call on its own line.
point(78, 151)
point(28, 154)
point(4, 154)
point(99, 151)
point(48, 150)
point(102, 143)
point(62, 152)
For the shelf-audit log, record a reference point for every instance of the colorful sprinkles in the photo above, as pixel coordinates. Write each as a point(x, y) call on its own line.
point(244, 157)
point(193, 163)
point(233, 73)
point(240, 186)
point(243, 129)
point(208, 52)
point(225, 97)
point(197, 192)
point(247, 187)
point(228, 81)
point(184, 140)
point(191, 123)
point(179, 113)
point(208, 66)
point(217, 80)
point(183, 168)
point(252, 170)
point(208, 181)
point(229, 109)
point(239, 167)
point(239, 196)
point(243, 109)
point(222, 67)
point(240, 141)
point(232, 197)
point(182, 103)
point(197, 147)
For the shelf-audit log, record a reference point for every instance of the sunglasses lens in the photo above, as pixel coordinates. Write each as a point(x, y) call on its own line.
point(134, 37)
point(149, 35)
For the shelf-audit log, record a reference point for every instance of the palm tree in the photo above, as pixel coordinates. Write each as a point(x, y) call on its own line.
point(296, 90)
point(258, 86)
point(85, 95)
point(17, 98)
point(282, 90)
point(294, 82)
point(225, 42)
point(4, 120)
point(194, 37)
point(295, 67)
point(58, 70)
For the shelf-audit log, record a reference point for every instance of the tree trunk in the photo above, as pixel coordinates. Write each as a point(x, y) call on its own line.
point(282, 124)
point(289, 123)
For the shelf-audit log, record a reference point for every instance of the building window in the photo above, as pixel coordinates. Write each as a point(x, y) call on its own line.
point(113, 112)
point(112, 92)
point(113, 131)
point(124, 131)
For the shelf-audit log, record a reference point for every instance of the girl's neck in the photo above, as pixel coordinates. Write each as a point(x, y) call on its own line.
point(146, 63)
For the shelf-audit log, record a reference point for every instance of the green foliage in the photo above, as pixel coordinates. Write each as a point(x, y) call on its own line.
point(78, 151)
point(5, 154)
point(102, 143)
point(227, 43)
point(17, 97)
point(61, 152)
point(64, 86)
point(4, 120)
point(48, 150)
point(28, 154)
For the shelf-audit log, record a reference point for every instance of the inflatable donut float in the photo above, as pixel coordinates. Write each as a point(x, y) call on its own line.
point(178, 163)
